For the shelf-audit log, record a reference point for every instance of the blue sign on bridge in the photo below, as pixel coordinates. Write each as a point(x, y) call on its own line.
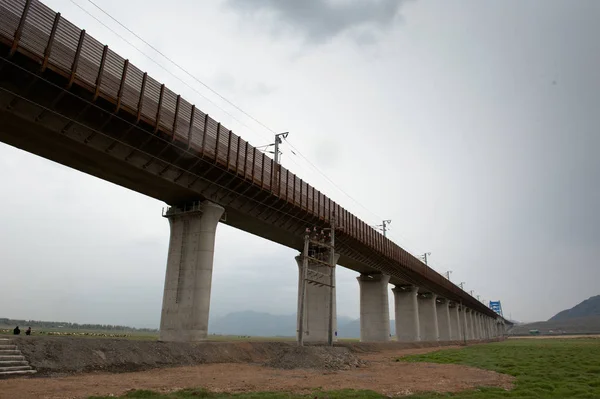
point(496, 306)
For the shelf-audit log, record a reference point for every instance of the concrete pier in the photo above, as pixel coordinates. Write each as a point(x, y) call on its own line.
point(471, 320)
point(316, 305)
point(455, 322)
point(186, 298)
point(476, 331)
point(407, 313)
point(374, 308)
point(465, 323)
point(443, 316)
point(428, 317)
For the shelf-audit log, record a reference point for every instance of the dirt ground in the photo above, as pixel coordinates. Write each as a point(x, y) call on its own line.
point(379, 372)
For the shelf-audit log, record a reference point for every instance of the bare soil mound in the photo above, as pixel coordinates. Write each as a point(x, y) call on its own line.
point(69, 355)
point(315, 357)
point(66, 355)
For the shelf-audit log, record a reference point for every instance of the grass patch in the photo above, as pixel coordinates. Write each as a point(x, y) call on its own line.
point(544, 368)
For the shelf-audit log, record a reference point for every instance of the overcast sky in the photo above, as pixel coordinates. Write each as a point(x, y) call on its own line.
point(472, 125)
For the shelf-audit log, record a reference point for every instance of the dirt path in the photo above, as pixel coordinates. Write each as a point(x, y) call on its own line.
point(381, 374)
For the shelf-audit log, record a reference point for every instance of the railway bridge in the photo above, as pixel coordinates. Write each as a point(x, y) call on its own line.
point(66, 97)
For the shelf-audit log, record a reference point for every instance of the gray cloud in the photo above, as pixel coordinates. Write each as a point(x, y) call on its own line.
point(322, 20)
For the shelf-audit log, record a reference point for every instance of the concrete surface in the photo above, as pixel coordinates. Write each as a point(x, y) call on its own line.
point(443, 316)
point(406, 313)
point(428, 317)
point(186, 298)
point(374, 308)
point(455, 322)
point(471, 324)
point(316, 305)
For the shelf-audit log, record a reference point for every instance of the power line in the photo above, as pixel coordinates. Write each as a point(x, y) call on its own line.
point(333, 183)
point(172, 74)
point(181, 68)
point(214, 92)
point(159, 65)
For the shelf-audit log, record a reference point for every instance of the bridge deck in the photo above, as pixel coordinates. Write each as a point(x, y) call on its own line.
point(71, 99)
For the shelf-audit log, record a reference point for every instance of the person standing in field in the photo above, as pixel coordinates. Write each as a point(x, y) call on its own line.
point(28, 331)
point(16, 331)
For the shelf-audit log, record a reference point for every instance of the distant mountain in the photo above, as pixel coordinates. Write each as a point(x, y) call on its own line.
point(260, 324)
point(589, 307)
point(577, 325)
point(255, 324)
point(352, 329)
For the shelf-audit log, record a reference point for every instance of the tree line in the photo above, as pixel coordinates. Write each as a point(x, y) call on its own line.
point(71, 326)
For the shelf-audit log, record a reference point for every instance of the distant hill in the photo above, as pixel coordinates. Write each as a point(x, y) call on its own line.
point(267, 325)
point(6, 322)
point(352, 329)
point(254, 324)
point(578, 325)
point(589, 307)
point(583, 318)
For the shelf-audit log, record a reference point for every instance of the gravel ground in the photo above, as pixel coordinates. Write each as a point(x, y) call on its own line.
point(315, 357)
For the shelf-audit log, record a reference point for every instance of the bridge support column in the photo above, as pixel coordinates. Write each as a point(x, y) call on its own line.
point(374, 308)
point(443, 316)
point(472, 331)
point(407, 313)
point(316, 305)
point(428, 317)
point(480, 325)
point(186, 297)
point(484, 326)
point(455, 322)
point(475, 321)
point(465, 323)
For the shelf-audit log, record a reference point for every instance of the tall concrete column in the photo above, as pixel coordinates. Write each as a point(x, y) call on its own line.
point(374, 308)
point(465, 323)
point(480, 323)
point(186, 297)
point(443, 317)
point(484, 324)
point(316, 304)
point(428, 321)
point(407, 313)
point(455, 322)
point(477, 326)
point(472, 331)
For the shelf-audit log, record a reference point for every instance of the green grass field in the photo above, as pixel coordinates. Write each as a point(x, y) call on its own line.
point(543, 368)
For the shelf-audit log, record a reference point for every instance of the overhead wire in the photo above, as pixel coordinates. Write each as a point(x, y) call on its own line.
point(168, 71)
point(160, 65)
point(231, 103)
